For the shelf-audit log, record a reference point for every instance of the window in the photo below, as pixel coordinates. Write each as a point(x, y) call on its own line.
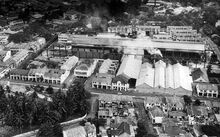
point(214, 95)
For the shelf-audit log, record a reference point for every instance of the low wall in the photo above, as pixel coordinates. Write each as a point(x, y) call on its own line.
point(64, 124)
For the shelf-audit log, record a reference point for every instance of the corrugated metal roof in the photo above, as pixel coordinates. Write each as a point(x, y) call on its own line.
point(146, 75)
point(130, 66)
point(159, 80)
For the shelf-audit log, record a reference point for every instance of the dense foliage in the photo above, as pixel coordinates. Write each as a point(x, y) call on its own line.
point(34, 29)
point(22, 111)
point(50, 130)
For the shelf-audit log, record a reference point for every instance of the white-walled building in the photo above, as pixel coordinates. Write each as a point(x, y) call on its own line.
point(138, 28)
point(18, 58)
point(5, 55)
point(102, 81)
point(207, 90)
point(156, 115)
point(55, 76)
point(108, 66)
point(70, 63)
point(85, 67)
point(4, 39)
point(3, 72)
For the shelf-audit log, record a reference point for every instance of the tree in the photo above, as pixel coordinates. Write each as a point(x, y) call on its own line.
point(50, 130)
point(49, 90)
point(19, 37)
point(211, 130)
point(141, 130)
point(76, 99)
point(210, 16)
point(59, 103)
point(187, 100)
point(197, 102)
point(2, 91)
point(38, 88)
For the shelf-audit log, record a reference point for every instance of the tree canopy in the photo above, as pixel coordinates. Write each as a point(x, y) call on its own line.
point(24, 111)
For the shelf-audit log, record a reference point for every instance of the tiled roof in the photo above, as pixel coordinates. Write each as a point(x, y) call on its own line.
point(123, 79)
point(103, 78)
point(54, 73)
point(200, 73)
point(130, 66)
point(84, 64)
point(124, 127)
point(157, 112)
point(23, 72)
point(204, 86)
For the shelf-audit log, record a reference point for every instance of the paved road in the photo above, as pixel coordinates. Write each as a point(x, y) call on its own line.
point(143, 116)
point(213, 46)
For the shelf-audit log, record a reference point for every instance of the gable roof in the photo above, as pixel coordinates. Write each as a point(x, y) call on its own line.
point(206, 86)
point(122, 78)
point(146, 75)
point(156, 112)
point(124, 127)
point(19, 72)
point(130, 66)
point(196, 74)
point(103, 78)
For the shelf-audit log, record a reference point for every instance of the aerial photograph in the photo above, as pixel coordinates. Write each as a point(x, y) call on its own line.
point(109, 68)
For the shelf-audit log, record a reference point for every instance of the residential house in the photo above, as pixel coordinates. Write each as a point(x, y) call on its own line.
point(197, 114)
point(123, 130)
point(5, 55)
point(85, 67)
point(105, 113)
point(4, 39)
point(207, 90)
point(3, 71)
point(90, 129)
point(175, 103)
point(156, 101)
point(102, 81)
point(200, 75)
point(156, 115)
point(71, 15)
point(172, 129)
